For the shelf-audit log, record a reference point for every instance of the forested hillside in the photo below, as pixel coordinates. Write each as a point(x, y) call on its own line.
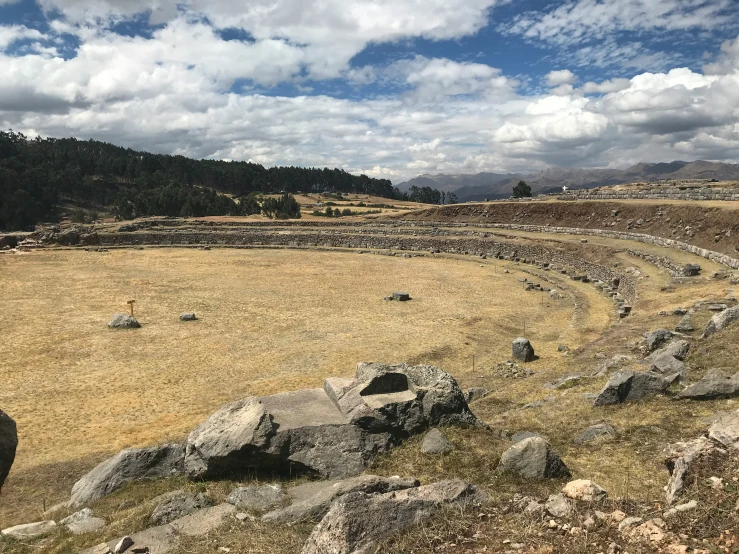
point(38, 177)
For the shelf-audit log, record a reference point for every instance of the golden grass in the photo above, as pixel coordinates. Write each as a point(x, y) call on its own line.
point(269, 321)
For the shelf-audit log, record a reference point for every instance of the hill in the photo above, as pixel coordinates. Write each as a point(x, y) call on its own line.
point(494, 185)
point(38, 177)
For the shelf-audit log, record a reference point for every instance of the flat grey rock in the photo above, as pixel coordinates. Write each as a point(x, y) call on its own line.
point(8, 445)
point(257, 497)
point(656, 339)
point(523, 435)
point(123, 321)
point(312, 500)
point(533, 458)
point(666, 364)
point(712, 387)
point(131, 464)
point(557, 505)
point(725, 431)
point(598, 432)
point(476, 393)
point(565, 381)
point(189, 316)
point(401, 296)
point(720, 321)
point(434, 442)
point(83, 522)
point(685, 325)
point(356, 522)
point(628, 386)
point(677, 348)
point(177, 504)
point(29, 530)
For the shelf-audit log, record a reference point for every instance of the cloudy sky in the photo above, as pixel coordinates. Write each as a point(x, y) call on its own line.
point(391, 88)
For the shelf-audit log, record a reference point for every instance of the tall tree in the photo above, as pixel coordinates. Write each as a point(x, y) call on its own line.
point(521, 190)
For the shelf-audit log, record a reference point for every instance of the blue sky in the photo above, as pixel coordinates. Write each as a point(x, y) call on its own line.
point(392, 88)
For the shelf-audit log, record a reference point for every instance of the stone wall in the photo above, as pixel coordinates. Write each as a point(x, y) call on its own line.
point(655, 193)
point(527, 253)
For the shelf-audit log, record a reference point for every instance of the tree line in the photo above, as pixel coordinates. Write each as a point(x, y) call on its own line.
point(39, 176)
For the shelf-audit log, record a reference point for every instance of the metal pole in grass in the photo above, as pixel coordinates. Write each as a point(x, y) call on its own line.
point(130, 305)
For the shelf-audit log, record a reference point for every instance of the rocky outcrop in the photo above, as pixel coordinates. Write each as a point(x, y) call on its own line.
point(712, 386)
point(656, 339)
point(533, 458)
point(356, 523)
point(8, 445)
point(177, 504)
point(312, 500)
point(258, 498)
point(522, 350)
point(131, 464)
point(123, 321)
point(720, 321)
point(628, 386)
point(332, 432)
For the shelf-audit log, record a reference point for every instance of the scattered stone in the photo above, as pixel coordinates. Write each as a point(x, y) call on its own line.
point(717, 307)
point(188, 317)
point(8, 445)
point(666, 364)
point(401, 296)
point(124, 544)
point(511, 370)
point(685, 325)
point(123, 321)
point(656, 339)
point(177, 504)
point(476, 393)
point(312, 500)
point(615, 362)
point(598, 432)
point(565, 382)
point(688, 506)
point(101, 549)
point(627, 523)
point(712, 386)
point(628, 386)
point(533, 458)
point(725, 431)
point(257, 497)
point(83, 522)
point(333, 432)
point(679, 459)
point(522, 350)
point(434, 442)
point(691, 270)
point(131, 464)
point(677, 348)
point(29, 530)
point(356, 523)
point(585, 490)
point(679, 311)
point(720, 321)
point(558, 506)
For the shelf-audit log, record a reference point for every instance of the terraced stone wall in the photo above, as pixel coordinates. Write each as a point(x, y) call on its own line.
point(656, 193)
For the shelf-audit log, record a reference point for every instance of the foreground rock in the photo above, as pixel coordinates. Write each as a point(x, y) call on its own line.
point(656, 339)
point(257, 497)
point(677, 349)
point(356, 523)
point(8, 445)
point(332, 432)
point(29, 530)
point(83, 522)
point(189, 316)
point(711, 387)
point(522, 350)
point(434, 442)
point(585, 490)
point(313, 500)
point(720, 321)
point(628, 386)
point(164, 538)
point(533, 458)
point(123, 321)
point(177, 504)
point(131, 464)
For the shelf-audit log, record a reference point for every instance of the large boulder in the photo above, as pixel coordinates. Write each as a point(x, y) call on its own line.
point(312, 500)
point(333, 432)
point(123, 321)
point(8, 445)
point(720, 321)
point(628, 386)
point(522, 350)
point(711, 387)
point(533, 458)
point(356, 522)
point(131, 464)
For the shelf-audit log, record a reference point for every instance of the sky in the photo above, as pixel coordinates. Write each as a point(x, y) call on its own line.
point(389, 88)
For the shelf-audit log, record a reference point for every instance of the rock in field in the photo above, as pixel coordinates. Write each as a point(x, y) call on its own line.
point(83, 522)
point(565, 381)
point(356, 523)
point(177, 504)
point(656, 339)
point(585, 490)
point(677, 349)
point(189, 316)
point(131, 464)
point(434, 442)
point(719, 322)
point(257, 497)
point(522, 350)
point(666, 364)
point(123, 321)
point(332, 432)
point(8, 445)
point(600, 431)
point(533, 458)
point(312, 500)
point(476, 393)
point(558, 506)
point(712, 386)
point(627, 386)
point(29, 530)
point(685, 325)
point(401, 296)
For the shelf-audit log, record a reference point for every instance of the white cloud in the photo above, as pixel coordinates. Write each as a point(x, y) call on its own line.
point(560, 77)
point(728, 60)
point(611, 85)
point(12, 33)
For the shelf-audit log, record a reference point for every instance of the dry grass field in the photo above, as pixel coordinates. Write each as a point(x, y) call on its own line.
point(270, 321)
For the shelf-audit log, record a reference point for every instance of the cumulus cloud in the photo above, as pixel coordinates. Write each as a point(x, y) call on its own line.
point(12, 33)
point(560, 77)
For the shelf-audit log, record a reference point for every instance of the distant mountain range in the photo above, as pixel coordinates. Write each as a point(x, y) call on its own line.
point(497, 185)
